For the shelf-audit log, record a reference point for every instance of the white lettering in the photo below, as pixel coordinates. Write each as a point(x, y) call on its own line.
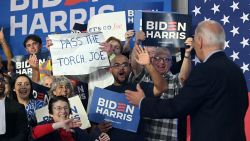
point(60, 23)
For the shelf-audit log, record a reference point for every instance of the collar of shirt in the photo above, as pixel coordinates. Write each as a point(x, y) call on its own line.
point(210, 54)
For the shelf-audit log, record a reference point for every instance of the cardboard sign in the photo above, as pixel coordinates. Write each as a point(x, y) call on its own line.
point(77, 110)
point(77, 53)
point(114, 107)
point(103, 23)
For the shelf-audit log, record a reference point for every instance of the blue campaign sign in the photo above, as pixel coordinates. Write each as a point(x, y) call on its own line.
point(42, 17)
point(113, 107)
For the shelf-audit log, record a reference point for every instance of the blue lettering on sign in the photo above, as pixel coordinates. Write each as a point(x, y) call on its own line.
point(97, 56)
point(78, 41)
point(65, 61)
point(74, 109)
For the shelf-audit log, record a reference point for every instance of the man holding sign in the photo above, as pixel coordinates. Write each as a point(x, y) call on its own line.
point(120, 69)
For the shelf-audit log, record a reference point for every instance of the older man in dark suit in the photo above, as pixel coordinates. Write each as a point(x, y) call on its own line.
point(215, 95)
point(13, 120)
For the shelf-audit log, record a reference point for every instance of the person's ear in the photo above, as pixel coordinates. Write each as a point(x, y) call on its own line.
point(199, 42)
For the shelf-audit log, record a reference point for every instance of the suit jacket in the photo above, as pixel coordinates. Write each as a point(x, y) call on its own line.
point(215, 96)
point(16, 122)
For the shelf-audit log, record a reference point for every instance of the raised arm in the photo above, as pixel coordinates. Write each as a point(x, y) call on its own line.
point(142, 58)
point(128, 36)
point(137, 68)
point(6, 50)
point(186, 64)
point(33, 61)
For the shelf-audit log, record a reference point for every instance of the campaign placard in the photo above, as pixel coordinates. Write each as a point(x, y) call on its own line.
point(116, 28)
point(77, 110)
point(23, 67)
point(113, 107)
point(77, 53)
point(165, 29)
point(40, 92)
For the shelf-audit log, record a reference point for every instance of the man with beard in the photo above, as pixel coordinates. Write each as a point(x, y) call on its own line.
point(120, 69)
point(13, 120)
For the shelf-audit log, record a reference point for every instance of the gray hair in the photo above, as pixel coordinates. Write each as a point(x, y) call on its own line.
point(42, 81)
point(60, 80)
point(214, 35)
point(163, 50)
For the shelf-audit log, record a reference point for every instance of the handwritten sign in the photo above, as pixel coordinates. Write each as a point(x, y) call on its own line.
point(77, 53)
point(77, 110)
point(103, 23)
point(114, 107)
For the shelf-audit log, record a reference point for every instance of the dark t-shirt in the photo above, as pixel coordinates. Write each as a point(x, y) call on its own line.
point(122, 135)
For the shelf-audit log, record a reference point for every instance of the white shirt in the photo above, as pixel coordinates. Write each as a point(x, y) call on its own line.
point(2, 117)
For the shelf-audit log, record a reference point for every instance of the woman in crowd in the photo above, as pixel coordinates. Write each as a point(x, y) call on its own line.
point(61, 86)
point(22, 92)
point(47, 81)
point(62, 128)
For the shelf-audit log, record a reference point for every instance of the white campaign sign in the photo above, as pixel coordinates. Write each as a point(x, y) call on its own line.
point(111, 24)
point(77, 110)
point(77, 53)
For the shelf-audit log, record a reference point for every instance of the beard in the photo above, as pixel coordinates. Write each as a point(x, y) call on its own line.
point(121, 82)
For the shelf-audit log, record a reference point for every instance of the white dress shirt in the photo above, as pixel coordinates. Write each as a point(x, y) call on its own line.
point(2, 117)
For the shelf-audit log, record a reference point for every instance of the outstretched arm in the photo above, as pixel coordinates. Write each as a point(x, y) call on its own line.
point(42, 130)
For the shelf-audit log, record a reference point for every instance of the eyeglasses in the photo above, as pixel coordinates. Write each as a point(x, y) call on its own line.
point(164, 59)
point(117, 65)
point(61, 108)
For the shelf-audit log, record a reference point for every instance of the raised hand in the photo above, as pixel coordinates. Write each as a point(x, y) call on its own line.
point(189, 42)
point(129, 34)
point(33, 61)
point(1, 35)
point(141, 55)
point(104, 46)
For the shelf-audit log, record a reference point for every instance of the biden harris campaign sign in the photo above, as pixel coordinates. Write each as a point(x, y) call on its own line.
point(165, 29)
point(113, 107)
